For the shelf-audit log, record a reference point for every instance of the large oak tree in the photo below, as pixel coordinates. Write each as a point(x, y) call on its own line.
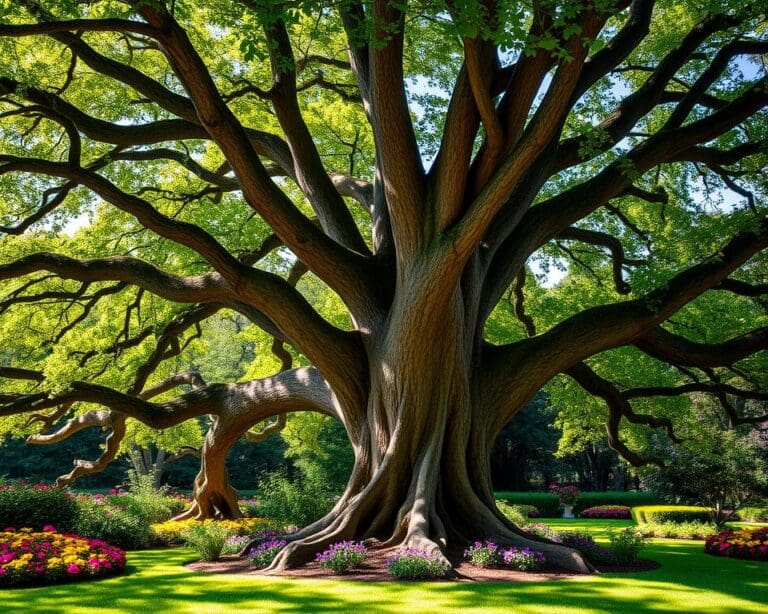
point(408, 161)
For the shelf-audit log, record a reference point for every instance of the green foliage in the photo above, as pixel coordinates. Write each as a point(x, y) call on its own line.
point(677, 530)
point(546, 503)
point(630, 499)
point(342, 556)
point(319, 446)
point(483, 554)
point(517, 514)
point(725, 471)
point(754, 514)
point(35, 506)
point(669, 513)
point(145, 501)
point(113, 525)
point(626, 545)
point(297, 502)
point(206, 539)
point(416, 565)
point(20, 460)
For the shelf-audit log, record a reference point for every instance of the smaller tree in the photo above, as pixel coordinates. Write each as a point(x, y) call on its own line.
point(724, 476)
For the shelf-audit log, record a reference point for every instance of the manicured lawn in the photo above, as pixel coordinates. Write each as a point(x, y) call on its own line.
point(688, 581)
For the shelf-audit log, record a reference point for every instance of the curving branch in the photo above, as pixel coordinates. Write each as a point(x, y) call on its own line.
point(342, 269)
point(335, 218)
point(200, 288)
point(618, 259)
point(601, 328)
point(618, 408)
point(544, 221)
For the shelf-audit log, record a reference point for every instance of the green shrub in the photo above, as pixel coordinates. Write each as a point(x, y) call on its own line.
point(626, 545)
point(630, 499)
point(416, 564)
point(513, 513)
point(547, 504)
point(113, 525)
point(529, 511)
point(754, 514)
point(295, 503)
point(670, 513)
point(677, 530)
point(483, 554)
point(207, 540)
point(36, 505)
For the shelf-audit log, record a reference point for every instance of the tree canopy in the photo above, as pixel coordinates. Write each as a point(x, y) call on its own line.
point(384, 192)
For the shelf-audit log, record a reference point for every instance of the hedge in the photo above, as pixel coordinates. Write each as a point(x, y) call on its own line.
point(753, 514)
point(629, 499)
point(547, 504)
point(34, 506)
point(647, 514)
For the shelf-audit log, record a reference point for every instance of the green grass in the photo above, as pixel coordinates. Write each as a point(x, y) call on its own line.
point(688, 581)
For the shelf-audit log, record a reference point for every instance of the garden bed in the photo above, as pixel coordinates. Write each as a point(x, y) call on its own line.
point(374, 570)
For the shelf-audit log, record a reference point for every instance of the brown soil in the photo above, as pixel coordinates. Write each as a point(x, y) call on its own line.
point(375, 569)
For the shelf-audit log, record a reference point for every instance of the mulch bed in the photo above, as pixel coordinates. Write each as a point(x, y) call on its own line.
point(374, 569)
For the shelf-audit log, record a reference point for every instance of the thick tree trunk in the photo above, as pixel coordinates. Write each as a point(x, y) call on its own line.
point(213, 496)
point(422, 471)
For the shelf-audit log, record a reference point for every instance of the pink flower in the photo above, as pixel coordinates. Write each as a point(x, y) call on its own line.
point(49, 528)
point(724, 546)
point(112, 491)
point(73, 569)
point(7, 558)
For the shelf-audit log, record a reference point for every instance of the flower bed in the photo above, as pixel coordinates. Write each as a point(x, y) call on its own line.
point(747, 543)
point(342, 556)
point(170, 532)
point(617, 512)
point(32, 557)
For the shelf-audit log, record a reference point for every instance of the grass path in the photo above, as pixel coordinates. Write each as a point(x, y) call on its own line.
point(688, 581)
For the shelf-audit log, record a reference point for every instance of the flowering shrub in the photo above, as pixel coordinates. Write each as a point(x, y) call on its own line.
point(621, 512)
point(566, 493)
point(35, 505)
point(342, 556)
point(485, 554)
point(523, 559)
point(33, 557)
point(416, 564)
point(170, 532)
point(267, 548)
point(746, 543)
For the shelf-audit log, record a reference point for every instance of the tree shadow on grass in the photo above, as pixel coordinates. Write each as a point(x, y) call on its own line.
point(156, 582)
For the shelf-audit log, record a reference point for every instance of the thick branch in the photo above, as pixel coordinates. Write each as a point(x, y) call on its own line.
point(678, 350)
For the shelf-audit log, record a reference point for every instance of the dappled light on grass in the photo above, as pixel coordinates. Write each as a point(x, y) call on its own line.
point(155, 580)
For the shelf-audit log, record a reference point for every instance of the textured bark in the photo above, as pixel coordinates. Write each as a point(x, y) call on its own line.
point(420, 392)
